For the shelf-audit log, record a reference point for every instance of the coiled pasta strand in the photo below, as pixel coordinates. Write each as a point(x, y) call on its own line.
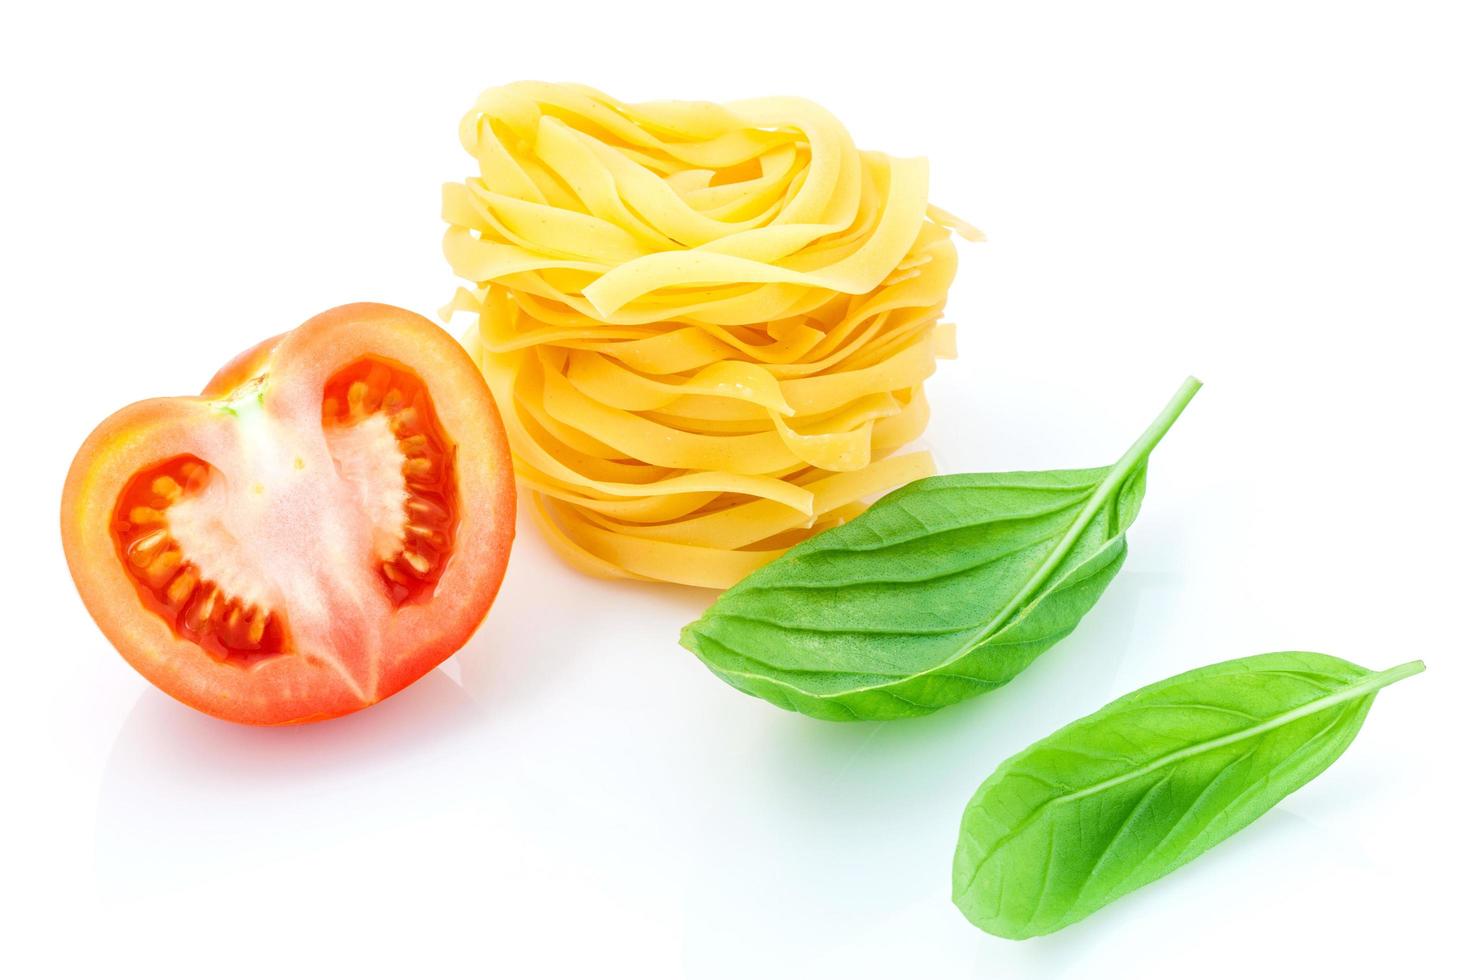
point(708, 327)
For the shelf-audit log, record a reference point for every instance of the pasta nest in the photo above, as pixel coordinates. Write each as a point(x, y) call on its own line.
point(707, 326)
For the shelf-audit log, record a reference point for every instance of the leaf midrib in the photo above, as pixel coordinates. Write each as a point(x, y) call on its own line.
point(1364, 686)
point(1106, 490)
point(885, 687)
point(760, 588)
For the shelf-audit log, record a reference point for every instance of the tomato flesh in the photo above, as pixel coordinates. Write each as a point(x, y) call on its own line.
point(171, 582)
point(327, 523)
point(382, 430)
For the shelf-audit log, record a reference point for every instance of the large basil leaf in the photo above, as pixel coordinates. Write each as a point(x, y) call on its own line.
point(1151, 781)
point(944, 589)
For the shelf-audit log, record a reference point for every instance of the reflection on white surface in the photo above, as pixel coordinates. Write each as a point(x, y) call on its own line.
point(185, 797)
point(600, 773)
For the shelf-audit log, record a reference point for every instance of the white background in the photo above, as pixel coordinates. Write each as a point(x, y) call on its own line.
point(1272, 196)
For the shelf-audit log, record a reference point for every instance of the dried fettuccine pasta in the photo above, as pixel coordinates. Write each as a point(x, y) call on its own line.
point(708, 326)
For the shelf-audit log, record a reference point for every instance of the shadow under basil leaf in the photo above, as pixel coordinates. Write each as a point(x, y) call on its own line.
point(865, 814)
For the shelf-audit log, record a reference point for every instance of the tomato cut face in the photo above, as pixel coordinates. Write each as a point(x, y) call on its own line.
point(329, 521)
point(383, 435)
point(158, 544)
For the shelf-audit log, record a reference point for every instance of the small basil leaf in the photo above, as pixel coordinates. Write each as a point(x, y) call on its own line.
point(944, 589)
point(1150, 782)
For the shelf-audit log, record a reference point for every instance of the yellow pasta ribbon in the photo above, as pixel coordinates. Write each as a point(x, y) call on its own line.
point(707, 326)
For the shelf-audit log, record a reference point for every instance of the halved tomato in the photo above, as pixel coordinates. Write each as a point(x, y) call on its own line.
point(324, 525)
